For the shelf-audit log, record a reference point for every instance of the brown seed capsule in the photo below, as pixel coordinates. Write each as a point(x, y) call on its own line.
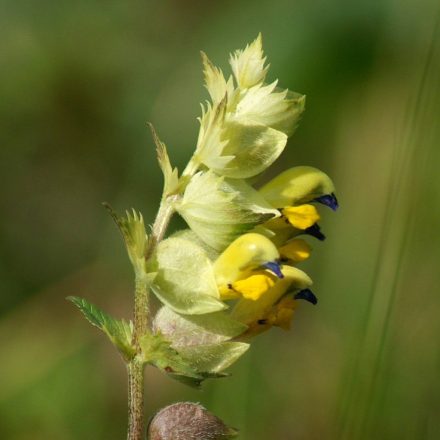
point(188, 421)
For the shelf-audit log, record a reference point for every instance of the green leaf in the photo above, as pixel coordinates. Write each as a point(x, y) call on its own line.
point(219, 210)
point(185, 279)
point(119, 331)
point(133, 232)
point(186, 330)
point(171, 175)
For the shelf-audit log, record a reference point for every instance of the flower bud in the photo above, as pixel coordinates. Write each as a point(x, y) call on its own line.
point(188, 421)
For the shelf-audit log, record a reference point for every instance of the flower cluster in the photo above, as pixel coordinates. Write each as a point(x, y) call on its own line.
point(232, 274)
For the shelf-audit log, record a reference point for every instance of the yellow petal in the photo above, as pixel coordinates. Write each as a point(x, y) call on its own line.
point(244, 254)
point(296, 250)
point(254, 286)
point(226, 291)
point(301, 217)
point(249, 312)
point(283, 313)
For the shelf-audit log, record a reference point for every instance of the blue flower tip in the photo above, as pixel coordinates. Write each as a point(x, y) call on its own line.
point(307, 295)
point(315, 231)
point(329, 200)
point(274, 267)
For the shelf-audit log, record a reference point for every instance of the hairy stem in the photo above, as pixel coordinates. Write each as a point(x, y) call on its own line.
point(136, 420)
point(135, 400)
point(166, 211)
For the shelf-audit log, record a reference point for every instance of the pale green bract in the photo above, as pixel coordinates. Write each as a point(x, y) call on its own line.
point(219, 210)
point(204, 341)
point(211, 141)
point(266, 105)
point(252, 147)
point(215, 82)
point(245, 129)
point(213, 358)
point(170, 174)
point(248, 64)
point(185, 278)
point(135, 238)
point(186, 330)
point(192, 364)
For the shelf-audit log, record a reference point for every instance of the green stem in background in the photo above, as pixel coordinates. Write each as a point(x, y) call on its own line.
point(136, 419)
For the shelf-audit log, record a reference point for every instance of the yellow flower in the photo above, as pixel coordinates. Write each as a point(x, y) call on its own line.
point(282, 313)
point(272, 308)
point(291, 193)
point(296, 250)
point(302, 216)
point(299, 185)
point(251, 287)
point(247, 268)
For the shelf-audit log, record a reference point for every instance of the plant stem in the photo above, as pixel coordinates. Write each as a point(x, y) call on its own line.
point(135, 400)
point(136, 366)
point(166, 211)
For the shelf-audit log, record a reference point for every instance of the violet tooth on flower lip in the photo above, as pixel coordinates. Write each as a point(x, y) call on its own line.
point(307, 295)
point(274, 267)
point(315, 231)
point(329, 200)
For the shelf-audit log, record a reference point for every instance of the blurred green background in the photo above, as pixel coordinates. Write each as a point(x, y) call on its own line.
point(78, 81)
